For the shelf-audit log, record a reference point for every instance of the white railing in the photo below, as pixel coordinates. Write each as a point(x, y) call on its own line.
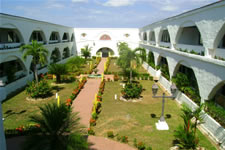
point(165, 44)
point(9, 45)
point(196, 48)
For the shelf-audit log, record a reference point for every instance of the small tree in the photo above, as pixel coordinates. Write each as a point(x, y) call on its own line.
point(38, 52)
point(59, 129)
point(75, 63)
point(86, 51)
point(58, 70)
point(186, 135)
point(128, 56)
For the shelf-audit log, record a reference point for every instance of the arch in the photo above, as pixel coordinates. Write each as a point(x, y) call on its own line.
point(152, 36)
point(216, 89)
point(105, 51)
point(186, 81)
point(219, 41)
point(55, 56)
point(10, 69)
point(151, 59)
point(165, 37)
point(145, 36)
point(12, 27)
point(164, 67)
point(65, 37)
point(38, 35)
point(105, 37)
point(189, 34)
point(181, 62)
point(54, 37)
point(72, 37)
point(66, 53)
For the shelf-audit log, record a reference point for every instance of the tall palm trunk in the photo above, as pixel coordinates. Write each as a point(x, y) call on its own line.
point(36, 73)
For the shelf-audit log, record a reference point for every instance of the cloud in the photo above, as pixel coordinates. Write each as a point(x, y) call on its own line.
point(79, 1)
point(119, 3)
point(169, 8)
point(55, 5)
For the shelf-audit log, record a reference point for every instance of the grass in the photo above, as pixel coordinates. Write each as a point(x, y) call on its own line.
point(134, 119)
point(17, 109)
point(114, 68)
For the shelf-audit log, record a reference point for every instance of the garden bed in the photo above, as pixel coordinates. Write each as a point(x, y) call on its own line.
point(137, 120)
point(17, 109)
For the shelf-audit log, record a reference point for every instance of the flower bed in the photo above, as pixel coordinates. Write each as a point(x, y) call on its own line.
point(96, 109)
point(76, 91)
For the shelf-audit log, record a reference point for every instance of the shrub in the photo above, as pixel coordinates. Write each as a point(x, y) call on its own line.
point(218, 113)
point(42, 89)
point(116, 77)
point(94, 115)
point(132, 90)
point(110, 134)
point(92, 122)
point(124, 139)
point(151, 78)
point(91, 131)
point(141, 146)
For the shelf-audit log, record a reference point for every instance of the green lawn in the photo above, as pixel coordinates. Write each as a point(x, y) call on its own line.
point(114, 68)
point(134, 119)
point(17, 109)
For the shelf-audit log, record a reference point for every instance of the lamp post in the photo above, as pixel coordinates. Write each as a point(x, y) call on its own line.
point(162, 125)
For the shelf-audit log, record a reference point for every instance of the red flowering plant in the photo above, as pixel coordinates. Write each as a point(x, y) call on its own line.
point(91, 131)
point(92, 122)
point(20, 129)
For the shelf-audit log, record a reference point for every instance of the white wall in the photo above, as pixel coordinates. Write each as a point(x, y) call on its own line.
point(93, 35)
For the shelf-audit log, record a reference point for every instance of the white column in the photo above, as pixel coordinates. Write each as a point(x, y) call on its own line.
point(2, 134)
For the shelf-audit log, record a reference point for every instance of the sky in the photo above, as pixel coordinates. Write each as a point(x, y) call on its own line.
point(100, 13)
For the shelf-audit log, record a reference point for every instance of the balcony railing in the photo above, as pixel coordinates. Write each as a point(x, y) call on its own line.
point(53, 41)
point(5, 46)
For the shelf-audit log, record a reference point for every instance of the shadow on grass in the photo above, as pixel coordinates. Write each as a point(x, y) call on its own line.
point(167, 116)
point(57, 88)
point(11, 112)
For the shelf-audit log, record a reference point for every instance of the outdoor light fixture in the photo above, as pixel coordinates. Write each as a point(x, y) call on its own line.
point(155, 89)
point(162, 125)
point(173, 89)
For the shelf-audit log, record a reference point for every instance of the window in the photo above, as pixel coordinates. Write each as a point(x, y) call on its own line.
point(36, 35)
point(12, 37)
point(54, 36)
point(165, 36)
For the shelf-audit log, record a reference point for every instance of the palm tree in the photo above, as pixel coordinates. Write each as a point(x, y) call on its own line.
point(38, 52)
point(127, 57)
point(86, 51)
point(58, 70)
point(58, 129)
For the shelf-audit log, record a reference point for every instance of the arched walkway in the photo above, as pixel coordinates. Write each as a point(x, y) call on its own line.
point(105, 52)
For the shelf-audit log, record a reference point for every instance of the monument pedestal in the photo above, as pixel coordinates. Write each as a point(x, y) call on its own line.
point(162, 125)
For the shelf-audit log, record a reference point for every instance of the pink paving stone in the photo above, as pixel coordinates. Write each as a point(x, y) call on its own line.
point(100, 66)
point(101, 143)
point(84, 101)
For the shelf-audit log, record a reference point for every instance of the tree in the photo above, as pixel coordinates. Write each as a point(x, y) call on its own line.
point(58, 70)
point(38, 52)
point(127, 56)
point(86, 51)
point(75, 63)
point(186, 135)
point(57, 129)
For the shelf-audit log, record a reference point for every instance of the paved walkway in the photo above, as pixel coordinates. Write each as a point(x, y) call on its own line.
point(84, 101)
point(83, 104)
point(100, 66)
